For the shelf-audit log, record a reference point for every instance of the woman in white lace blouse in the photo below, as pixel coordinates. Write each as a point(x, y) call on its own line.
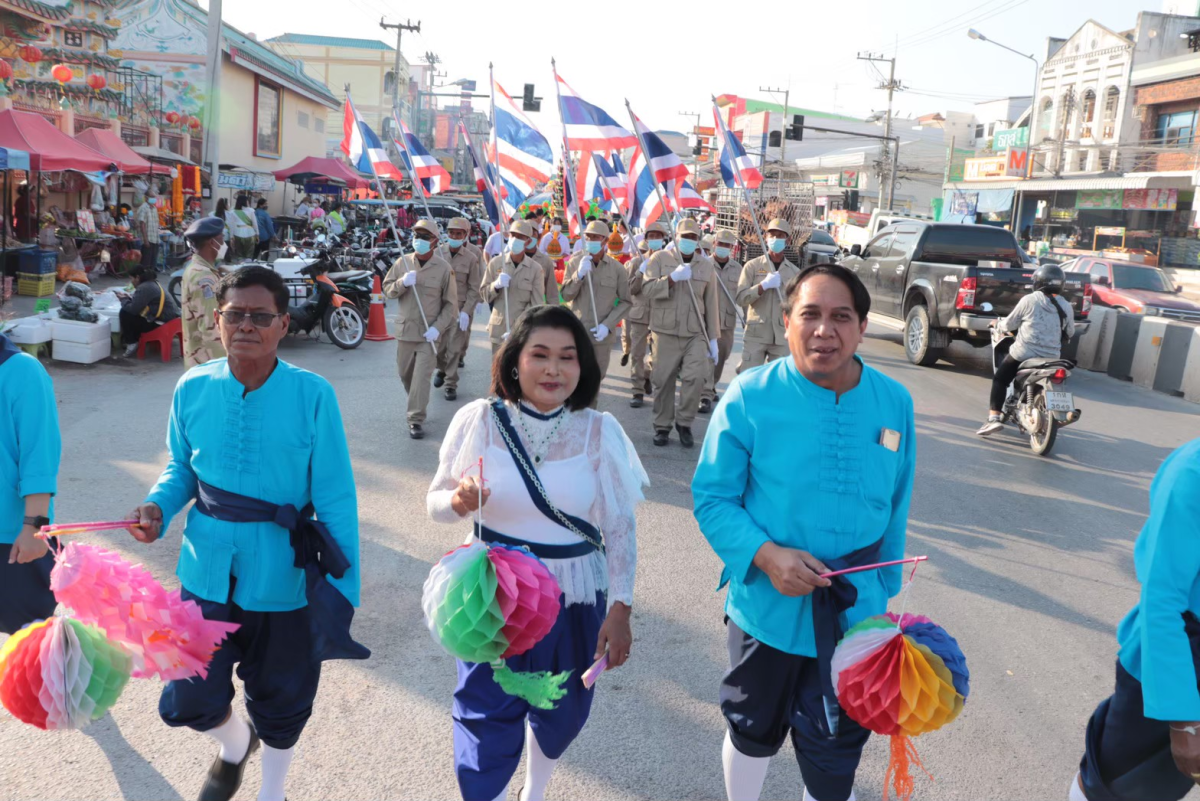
point(562, 480)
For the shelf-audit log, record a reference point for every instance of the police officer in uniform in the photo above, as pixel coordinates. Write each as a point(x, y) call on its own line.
point(513, 283)
point(467, 262)
point(760, 292)
point(680, 285)
point(198, 291)
point(425, 284)
point(636, 336)
point(729, 272)
point(596, 288)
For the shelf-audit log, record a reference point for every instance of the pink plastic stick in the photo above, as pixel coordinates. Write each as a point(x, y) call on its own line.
point(591, 674)
point(913, 559)
point(63, 529)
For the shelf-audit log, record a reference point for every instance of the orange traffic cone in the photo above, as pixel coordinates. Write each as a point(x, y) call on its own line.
point(377, 323)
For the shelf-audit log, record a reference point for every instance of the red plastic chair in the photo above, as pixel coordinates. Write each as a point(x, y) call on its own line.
point(163, 336)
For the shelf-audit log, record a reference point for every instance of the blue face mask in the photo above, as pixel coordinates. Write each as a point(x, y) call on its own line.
point(456, 243)
point(687, 246)
point(516, 245)
point(721, 252)
point(594, 247)
point(654, 244)
point(777, 245)
point(421, 246)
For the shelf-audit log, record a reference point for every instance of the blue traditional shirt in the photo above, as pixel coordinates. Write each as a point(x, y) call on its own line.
point(1154, 647)
point(789, 462)
point(30, 445)
point(283, 443)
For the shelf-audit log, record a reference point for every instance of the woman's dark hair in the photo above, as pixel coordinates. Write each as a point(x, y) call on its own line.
point(242, 202)
point(862, 300)
point(255, 276)
point(262, 201)
point(222, 207)
point(506, 387)
point(146, 274)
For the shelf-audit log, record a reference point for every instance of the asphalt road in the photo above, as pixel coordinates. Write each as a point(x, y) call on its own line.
point(1030, 568)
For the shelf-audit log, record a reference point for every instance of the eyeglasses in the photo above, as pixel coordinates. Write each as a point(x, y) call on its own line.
point(236, 317)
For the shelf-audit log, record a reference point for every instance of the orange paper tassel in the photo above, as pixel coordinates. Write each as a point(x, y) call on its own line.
point(898, 776)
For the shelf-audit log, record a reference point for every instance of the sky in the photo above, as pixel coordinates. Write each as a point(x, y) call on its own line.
point(673, 56)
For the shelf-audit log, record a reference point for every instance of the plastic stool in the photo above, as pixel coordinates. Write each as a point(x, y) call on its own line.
point(37, 349)
point(162, 336)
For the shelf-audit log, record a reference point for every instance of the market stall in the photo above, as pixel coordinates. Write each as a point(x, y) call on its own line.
point(10, 160)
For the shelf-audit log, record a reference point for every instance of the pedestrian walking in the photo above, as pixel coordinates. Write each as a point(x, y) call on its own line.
point(635, 338)
point(782, 503)
point(266, 227)
point(531, 251)
point(198, 291)
point(146, 219)
point(467, 262)
point(562, 480)
point(729, 273)
point(759, 292)
point(243, 228)
point(681, 286)
point(251, 440)
point(428, 291)
point(1143, 741)
point(513, 283)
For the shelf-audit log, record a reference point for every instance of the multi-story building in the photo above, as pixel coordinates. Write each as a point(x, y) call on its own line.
point(994, 115)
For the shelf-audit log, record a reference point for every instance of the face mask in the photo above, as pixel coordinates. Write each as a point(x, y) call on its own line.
point(222, 250)
point(556, 228)
point(421, 246)
point(687, 246)
point(594, 247)
point(654, 244)
point(456, 243)
point(722, 252)
point(777, 245)
point(516, 245)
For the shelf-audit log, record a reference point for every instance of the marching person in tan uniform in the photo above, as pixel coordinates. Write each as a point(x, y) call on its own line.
point(706, 245)
point(467, 262)
point(424, 283)
point(512, 283)
point(596, 287)
point(636, 336)
point(681, 286)
point(729, 273)
point(532, 252)
point(760, 290)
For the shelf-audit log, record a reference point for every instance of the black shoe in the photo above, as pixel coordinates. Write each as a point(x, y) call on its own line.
point(461, 365)
point(439, 378)
point(636, 402)
point(624, 359)
point(685, 436)
point(705, 406)
point(415, 431)
point(224, 778)
point(662, 436)
point(451, 393)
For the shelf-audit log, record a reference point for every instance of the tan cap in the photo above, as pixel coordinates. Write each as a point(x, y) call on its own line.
point(597, 228)
point(658, 226)
point(706, 242)
point(724, 237)
point(459, 224)
point(427, 225)
point(687, 226)
point(779, 224)
point(522, 227)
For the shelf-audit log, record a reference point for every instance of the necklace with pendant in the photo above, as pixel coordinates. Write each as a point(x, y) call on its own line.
point(538, 449)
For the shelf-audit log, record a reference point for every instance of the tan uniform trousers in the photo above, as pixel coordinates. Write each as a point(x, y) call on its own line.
point(604, 351)
point(639, 341)
point(452, 346)
point(724, 347)
point(756, 353)
point(685, 359)
point(416, 362)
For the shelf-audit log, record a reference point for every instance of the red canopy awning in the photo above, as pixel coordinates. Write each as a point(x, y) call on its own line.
point(110, 145)
point(49, 148)
point(313, 167)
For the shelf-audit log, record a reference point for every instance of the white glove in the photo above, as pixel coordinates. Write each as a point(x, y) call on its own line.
point(601, 332)
point(464, 321)
point(771, 281)
point(642, 269)
point(410, 278)
point(431, 335)
point(681, 273)
point(502, 282)
point(712, 350)
point(585, 267)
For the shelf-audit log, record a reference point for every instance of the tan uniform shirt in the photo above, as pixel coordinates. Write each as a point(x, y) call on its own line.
point(640, 313)
point(198, 293)
point(548, 273)
point(729, 275)
point(672, 311)
point(610, 286)
point(467, 263)
point(436, 291)
point(526, 288)
point(764, 313)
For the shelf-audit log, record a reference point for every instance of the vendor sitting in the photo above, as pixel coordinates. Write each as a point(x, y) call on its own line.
point(146, 309)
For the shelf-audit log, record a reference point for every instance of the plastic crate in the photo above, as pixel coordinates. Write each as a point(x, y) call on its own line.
point(37, 262)
point(37, 286)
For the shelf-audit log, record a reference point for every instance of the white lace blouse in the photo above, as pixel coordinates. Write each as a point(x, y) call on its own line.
point(589, 469)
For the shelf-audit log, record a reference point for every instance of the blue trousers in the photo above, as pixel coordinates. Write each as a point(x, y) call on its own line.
point(768, 694)
point(489, 724)
point(25, 594)
point(274, 658)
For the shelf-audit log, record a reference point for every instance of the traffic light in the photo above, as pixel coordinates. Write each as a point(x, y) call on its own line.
point(795, 131)
point(528, 101)
point(697, 148)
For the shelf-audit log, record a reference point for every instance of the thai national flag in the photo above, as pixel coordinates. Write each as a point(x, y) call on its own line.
point(589, 182)
point(363, 147)
point(589, 127)
point(525, 155)
point(734, 159)
point(574, 216)
point(420, 163)
point(644, 205)
point(689, 198)
point(487, 183)
point(614, 184)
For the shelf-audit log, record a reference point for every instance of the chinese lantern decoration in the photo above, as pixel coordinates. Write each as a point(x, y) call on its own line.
point(30, 54)
point(6, 70)
point(172, 117)
point(62, 73)
point(193, 123)
point(96, 82)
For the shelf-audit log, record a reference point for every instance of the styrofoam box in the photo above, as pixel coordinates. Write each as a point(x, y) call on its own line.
point(81, 353)
point(81, 333)
point(113, 316)
point(30, 331)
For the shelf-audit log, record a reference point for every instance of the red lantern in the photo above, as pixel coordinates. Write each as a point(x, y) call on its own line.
point(62, 73)
point(30, 54)
point(6, 70)
point(193, 123)
point(172, 117)
point(96, 82)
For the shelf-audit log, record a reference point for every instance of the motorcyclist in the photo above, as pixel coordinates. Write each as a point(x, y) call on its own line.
point(1042, 321)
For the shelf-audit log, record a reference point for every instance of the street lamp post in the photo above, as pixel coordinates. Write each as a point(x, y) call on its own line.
point(695, 156)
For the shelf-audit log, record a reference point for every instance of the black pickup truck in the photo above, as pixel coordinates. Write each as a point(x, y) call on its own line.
point(948, 281)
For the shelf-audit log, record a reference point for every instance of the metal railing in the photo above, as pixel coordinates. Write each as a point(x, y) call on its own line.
point(1139, 156)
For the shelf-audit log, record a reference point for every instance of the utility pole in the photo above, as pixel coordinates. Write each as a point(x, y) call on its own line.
point(400, 27)
point(696, 153)
point(891, 85)
point(782, 135)
point(432, 59)
point(212, 155)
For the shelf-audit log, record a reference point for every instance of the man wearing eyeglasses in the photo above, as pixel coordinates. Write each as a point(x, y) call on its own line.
point(253, 439)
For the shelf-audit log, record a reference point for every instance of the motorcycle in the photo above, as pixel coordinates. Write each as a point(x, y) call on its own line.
point(1037, 403)
point(337, 315)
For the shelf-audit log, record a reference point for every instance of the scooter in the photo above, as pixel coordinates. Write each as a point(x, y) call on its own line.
point(338, 316)
point(1037, 403)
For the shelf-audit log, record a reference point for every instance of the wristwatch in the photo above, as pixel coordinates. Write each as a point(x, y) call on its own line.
point(36, 522)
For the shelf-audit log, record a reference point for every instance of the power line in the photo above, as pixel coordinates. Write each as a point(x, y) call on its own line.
point(1009, 6)
point(951, 20)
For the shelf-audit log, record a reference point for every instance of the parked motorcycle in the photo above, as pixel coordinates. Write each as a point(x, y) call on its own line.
point(1037, 403)
point(337, 315)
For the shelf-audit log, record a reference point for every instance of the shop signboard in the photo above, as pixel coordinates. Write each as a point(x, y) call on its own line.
point(1063, 215)
point(1109, 230)
point(1151, 199)
point(235, 180)
point(1098, 199)
point(825, 180)
point(1016, 160)
point(849, 179)
point(964, 203)
point(1010, 138)
point(991, 168)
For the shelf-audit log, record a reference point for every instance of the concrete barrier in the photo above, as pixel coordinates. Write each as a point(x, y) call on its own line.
point(1189, 385)
point(1147, 350)
point(1124, 343)
point(1101, 321)
point(1172, 358)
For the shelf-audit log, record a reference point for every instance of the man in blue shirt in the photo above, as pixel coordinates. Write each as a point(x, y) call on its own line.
point(253, 439)
point(266, 226)
point(1143, 742)
point(807, 468)
point(30, 448)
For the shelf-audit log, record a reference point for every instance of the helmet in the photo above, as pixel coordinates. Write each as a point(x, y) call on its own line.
point(1049, 278)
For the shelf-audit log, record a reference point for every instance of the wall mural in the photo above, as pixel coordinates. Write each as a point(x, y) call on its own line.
point(172, 28)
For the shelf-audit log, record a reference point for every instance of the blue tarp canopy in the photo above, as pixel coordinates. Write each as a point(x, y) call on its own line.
point(13, 159)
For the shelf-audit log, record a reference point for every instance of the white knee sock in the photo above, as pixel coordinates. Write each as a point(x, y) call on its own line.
point(538, 769)
point(1076, 793)
point(744, 775)
point(275, 764)
point(809, 796)
point(234, 737)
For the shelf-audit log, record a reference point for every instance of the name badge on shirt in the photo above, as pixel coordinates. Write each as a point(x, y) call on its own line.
point(890, 439)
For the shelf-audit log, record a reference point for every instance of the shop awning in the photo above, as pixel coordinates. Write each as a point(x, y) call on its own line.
point(1145, 180)
point(162, 154)
point(12, 159)
point(330, 169)
point(111, 145)
point(49, 149)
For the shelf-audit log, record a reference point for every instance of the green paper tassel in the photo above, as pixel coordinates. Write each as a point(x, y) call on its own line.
point(540, 689)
